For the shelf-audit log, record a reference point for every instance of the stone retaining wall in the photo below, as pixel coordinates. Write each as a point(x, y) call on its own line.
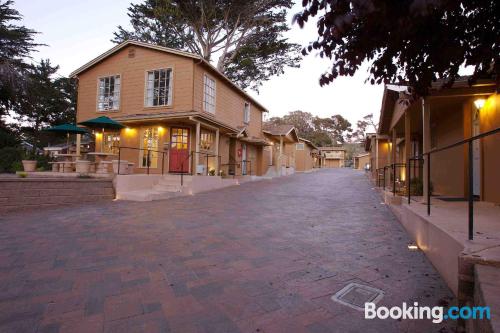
point(29, 193)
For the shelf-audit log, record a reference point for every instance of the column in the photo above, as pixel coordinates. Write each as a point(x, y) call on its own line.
point(407, 147)
point(217, 152)
point(280, 158)
point(426, 141)
point(78, 144)
point(197, 147)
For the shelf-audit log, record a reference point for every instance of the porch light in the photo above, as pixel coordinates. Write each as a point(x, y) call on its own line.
point(479, 103)
point(160, 130)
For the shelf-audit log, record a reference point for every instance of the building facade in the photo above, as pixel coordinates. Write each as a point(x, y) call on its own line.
point(181, 114)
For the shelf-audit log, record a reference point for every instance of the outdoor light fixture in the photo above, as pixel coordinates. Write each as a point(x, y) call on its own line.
point(412, 247)
point(479, 103)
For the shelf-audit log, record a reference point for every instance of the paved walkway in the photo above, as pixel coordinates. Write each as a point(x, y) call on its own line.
point(261, 257)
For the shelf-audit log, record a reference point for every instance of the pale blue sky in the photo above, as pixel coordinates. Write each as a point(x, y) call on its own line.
point(78, 31)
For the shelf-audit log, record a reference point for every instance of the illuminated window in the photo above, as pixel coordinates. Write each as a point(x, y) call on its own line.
point(149, 143)
point(159, 87)
point(111, 142)
point(206, 140)
point(109, 93)
point(209, 94)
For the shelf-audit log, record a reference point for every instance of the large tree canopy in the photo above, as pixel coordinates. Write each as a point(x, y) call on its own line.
point(246, 36)
point(320, 131)
point(407, 41)
point(16, 44)
point(45, 101)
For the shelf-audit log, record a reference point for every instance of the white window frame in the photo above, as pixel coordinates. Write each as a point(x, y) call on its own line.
point(116, 94)
point(207, 106)
point(246, 112)
point(302, 145)
point(169, 92)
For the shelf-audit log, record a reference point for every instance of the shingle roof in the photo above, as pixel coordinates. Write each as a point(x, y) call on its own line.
point(277, 129)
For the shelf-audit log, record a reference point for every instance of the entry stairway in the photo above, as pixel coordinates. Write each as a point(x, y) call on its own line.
point(157, 187)
point(166, 188)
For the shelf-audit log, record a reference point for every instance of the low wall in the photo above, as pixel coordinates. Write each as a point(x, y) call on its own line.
point(207, 183)
point(28, 193)
point(486, 291)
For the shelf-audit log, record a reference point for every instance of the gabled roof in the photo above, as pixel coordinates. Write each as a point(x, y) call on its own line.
point(308, 142)
point(122, 45)
point(280, 130)
point(332, 148)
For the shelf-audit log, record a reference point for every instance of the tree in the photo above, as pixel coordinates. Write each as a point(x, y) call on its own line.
point(246, 36)
point(339, 128)
point(414, 42)
point(320, 131)
point(16, 44)
point(364, 125)
point(45, 102)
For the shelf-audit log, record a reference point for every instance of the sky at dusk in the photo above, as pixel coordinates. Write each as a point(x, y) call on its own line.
point(78, 31)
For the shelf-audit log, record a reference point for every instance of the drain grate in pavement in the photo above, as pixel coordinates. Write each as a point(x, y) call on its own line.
point(355, 295)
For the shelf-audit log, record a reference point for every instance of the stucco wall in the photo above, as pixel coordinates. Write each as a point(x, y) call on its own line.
point(490, 119)
point(447, 167)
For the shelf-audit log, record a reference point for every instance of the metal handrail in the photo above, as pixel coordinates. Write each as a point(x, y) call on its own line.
point(394, 166)
point(207, 156)
point(467, 141)
point(148, 158)
point(410, 160)
point(248, 163)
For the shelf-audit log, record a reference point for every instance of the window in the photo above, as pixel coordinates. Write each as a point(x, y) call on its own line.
point(206, 140)
point(209, 94)
point(159, 87)
point(111, 142)
point(246, 113)
point(149, 146)
point(299, 146)
point(109, 93)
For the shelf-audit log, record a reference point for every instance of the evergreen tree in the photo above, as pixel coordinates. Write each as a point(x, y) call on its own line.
point(246, 36)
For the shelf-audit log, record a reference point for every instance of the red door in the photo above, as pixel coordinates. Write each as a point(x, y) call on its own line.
point(179, 150)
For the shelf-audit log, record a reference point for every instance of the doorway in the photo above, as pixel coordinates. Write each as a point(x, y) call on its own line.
point(179, 150)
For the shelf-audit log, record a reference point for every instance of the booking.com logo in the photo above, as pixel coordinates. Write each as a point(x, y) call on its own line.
point(436, 313)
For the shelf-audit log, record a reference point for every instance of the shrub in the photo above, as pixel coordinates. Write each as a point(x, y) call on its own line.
point(10, 159)
point(22, 174)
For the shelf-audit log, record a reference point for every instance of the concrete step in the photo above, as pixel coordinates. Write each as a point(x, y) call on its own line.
point(148, 195)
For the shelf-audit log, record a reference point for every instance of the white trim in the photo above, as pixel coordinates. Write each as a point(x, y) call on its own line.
point(245, 121)
point(170, 92)
point(120, 92)
point(207, 76)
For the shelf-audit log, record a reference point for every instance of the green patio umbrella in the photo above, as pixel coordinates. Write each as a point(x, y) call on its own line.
point(68, 129)
point(102, 123)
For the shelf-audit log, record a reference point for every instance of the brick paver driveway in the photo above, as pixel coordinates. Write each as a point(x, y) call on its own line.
point(261, 257)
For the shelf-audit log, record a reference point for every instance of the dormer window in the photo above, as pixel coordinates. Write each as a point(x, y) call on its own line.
point(108, 98)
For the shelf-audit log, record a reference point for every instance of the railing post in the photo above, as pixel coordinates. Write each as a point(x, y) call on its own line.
point(383, 170)
point(119, 155)
point(409, 181)
point(207, 164)
point(428, 184)
point(394, 179)
point(471, 193)
point(162, 162)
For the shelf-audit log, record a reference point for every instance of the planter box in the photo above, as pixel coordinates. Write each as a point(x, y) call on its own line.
point(29, 166)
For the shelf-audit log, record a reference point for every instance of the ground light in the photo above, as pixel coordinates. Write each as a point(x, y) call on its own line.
point(413, 247)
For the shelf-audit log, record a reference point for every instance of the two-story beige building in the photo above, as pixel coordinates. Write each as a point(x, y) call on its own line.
point(181, 114)
point(332, 157)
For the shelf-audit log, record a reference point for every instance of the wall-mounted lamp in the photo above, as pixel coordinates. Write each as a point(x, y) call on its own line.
point(479, 103)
